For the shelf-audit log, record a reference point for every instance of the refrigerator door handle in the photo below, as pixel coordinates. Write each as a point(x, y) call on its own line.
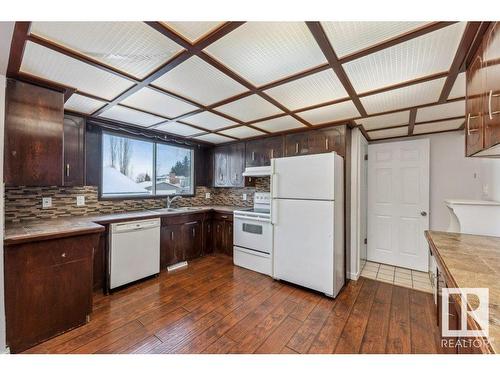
point(274, 212)
point(274, 185)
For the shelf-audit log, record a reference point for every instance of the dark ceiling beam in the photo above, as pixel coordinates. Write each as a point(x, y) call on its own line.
point(18, 42)
point(411, 123)
point(464, 46)
point(330, 55)
point(28, 78)
point(425, 29)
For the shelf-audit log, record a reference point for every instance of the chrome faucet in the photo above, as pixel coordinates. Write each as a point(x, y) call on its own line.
point(171, 199)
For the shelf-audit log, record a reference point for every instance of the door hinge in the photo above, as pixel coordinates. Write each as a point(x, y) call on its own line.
point(366, 157)
point(366, 241)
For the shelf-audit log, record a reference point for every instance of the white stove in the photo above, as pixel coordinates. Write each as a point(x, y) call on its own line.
point(253, 236)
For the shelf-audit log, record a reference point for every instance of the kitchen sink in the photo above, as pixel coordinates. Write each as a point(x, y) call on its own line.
point(179, 209)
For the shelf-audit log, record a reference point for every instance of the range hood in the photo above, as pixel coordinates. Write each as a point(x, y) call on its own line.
point(257, 171)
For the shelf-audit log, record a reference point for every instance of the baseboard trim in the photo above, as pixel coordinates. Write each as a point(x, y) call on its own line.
point(353, 275)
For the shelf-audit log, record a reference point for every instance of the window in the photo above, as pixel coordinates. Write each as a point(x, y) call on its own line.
point(133, 167)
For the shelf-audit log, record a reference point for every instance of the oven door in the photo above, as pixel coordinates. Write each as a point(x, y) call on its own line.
point(253, 233)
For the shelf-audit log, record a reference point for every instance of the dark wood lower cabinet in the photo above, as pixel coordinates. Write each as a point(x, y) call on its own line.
point(223, 234)
point(48, 288)
point(99, 268)
point(171, 245)
point(193, 239)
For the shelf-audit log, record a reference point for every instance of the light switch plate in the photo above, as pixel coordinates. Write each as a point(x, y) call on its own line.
point(207, 195)
point(80, 200)
point(244, 196)
point(46, 202)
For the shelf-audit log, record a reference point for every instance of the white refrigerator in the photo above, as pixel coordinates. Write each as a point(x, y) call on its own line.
point(307, 196)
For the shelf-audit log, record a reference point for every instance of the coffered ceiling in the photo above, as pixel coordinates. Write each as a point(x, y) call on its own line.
point(221, 81)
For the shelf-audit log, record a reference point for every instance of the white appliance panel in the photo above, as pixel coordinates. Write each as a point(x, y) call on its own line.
point(304, 177)
point(253, 260)
point(304, 243)
point(135, 251)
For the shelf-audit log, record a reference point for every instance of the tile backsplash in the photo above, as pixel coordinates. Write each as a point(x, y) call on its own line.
point(25, 203)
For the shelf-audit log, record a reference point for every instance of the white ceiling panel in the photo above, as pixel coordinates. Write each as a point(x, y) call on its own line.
point(179, 129)
point(389, 133)
point(279, 124)
point(53, 66)
point(193, 31)
point(409, 96)
point(263, 52)
point(349, 37)
point(438, 126)
point(83, 104)
point(458, 89)
point(436, 112)
point(384, 121)
point(242, 132)
point(199, 81)
point(250, 108)
point(208, 120)
point(130, 116)
point(314, 89)
point(419, 57)
point(213, 138)
point(335, 112)
point(132, 47)
point(153, 101)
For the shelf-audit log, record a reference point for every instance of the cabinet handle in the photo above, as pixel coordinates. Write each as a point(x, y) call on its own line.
point(63, 255)
point(469, 131)
point(171, 236)
point(253, 155)
point(190, 223)
point(326, 144)
point(296, 147)
point(272, 153)
point(67, 170)
point(490, 112)
point(224, 217)
point(194, 232)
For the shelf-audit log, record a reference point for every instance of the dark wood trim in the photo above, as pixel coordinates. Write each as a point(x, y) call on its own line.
point(330, 55)
point(425, 29)
point(416, 123)
point(475, 45)
point(411, 124)
point(468, 37)
point(415, 135)
point(21, 31)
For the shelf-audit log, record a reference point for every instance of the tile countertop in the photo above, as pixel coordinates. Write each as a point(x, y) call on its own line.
point(37, 230)
point(470, 261)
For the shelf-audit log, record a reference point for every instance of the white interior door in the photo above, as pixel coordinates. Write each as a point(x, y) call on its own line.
point(398, 203)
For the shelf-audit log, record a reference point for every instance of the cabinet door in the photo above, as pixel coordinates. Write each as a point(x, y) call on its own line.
point(172, 249)
point(260, 151)
point(208, 238)
point(99, 268)
point(237, 164)
point(491, 62)
point(74, 154)
point(474, 106)
point(221, 156)
point(33, 135)
point(334, 139)
point(219, 237)
point(228, 238)
point(192, 238)
point(296, 144)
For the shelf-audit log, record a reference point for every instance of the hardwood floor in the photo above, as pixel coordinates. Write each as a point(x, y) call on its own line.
point(215, 307)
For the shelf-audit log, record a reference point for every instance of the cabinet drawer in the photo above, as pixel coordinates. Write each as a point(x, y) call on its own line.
point(223, 216)
point(37, 255)
point(181, 219)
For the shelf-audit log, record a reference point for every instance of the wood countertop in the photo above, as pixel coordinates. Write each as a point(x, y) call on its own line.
point(471, 261)
point(39, 230)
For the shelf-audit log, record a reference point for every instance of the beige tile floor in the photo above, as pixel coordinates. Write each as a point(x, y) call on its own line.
point(397, 276)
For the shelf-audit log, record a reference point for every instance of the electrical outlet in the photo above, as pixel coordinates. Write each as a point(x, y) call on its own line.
point(80, 200)
point(207, 195)
point(46, 202)
point(244, 196)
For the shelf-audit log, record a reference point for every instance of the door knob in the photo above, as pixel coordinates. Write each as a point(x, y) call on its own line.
point(423, 213)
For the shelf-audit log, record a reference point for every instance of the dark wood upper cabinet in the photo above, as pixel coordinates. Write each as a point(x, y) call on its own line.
point(491, 62)
point(203, 163)
point(74, 151)
point(474, 124)
point(316, 141)
point(259, 152)
point(229, 164)
point(33, 135)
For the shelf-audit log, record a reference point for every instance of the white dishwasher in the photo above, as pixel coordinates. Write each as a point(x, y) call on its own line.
point(134, 251)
